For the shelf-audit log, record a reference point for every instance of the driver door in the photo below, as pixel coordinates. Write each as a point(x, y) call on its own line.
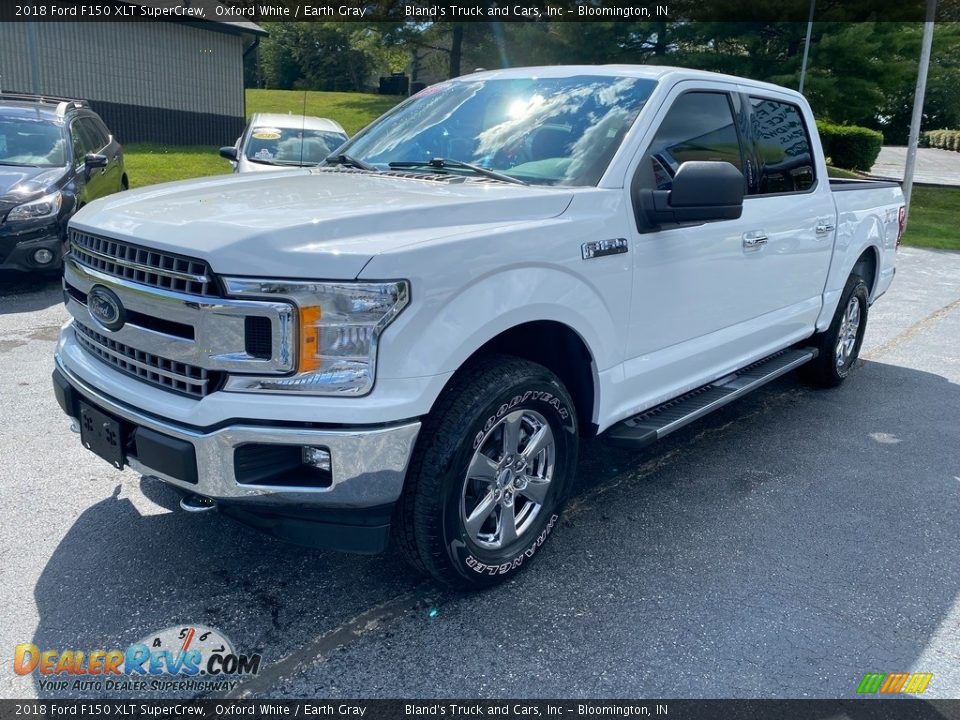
point(701, 294)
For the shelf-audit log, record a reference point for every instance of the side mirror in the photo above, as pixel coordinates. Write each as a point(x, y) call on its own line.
point(703, 190)
point(229, 153)
point(94, 160)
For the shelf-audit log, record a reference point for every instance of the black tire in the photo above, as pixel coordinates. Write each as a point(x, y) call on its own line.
point(829, 369)
point(470, 419)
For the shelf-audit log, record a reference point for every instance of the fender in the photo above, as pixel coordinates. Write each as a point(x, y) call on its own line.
point(443, 333)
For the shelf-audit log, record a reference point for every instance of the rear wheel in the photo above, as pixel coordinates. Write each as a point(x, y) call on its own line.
point(839, 345)
point(491, 471)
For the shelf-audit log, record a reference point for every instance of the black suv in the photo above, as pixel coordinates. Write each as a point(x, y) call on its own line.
point(56, 155)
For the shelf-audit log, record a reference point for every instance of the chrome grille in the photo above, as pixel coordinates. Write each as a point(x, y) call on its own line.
point(167, 374)
point(143, 265)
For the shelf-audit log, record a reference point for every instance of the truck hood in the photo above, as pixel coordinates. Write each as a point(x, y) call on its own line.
point(317, 223)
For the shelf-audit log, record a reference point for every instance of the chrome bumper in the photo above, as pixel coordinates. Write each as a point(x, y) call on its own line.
point(368, 464)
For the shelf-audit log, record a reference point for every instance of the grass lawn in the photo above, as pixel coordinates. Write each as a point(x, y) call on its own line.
point(933, 218)
point(836, 172)
point(151, 164)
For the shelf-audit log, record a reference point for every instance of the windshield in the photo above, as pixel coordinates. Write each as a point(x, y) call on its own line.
point(282, 146)
point(544, 131)
point(38, 143)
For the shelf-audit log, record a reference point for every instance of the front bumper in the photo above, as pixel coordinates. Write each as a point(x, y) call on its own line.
point(18, 246)
point(351, 511)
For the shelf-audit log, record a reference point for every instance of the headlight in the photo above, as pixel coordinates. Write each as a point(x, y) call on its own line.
point(339, 325)
point(44, 207)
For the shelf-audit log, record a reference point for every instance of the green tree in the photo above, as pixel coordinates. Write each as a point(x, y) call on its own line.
point(941, 107)
point(323, 56)
point(279, 66)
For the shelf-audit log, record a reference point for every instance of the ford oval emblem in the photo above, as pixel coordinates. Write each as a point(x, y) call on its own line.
point(105, 307)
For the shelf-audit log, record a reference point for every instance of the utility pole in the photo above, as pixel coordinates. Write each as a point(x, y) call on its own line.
point(918, 103)
point(806, 45)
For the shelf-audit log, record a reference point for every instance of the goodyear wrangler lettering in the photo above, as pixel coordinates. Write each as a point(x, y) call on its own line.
point(506, 407)
point(483, 568)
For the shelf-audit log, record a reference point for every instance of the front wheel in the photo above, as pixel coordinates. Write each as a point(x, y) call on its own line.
point(839, 345)
point(492, 468)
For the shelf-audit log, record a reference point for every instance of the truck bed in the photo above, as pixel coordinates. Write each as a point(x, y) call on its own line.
point(841, 184)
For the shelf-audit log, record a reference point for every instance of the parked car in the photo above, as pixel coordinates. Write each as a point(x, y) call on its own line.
point(56, 155)
point(409, 342)
point(273, 141)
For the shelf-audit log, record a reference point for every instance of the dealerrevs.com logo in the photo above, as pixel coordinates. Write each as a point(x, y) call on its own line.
point(177, 658)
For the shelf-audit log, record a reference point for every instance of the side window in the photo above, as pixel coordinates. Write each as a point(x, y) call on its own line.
point(782, 147)
point(101, 130)
point(98, 139)
point(699, 126)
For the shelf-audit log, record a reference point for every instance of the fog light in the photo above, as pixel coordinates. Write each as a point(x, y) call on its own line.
point(316, 457)
point(42, 256)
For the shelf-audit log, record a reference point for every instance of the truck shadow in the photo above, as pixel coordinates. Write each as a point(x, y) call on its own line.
point(775, 549)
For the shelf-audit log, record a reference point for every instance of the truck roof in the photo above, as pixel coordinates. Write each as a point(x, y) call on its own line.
point(652, 72)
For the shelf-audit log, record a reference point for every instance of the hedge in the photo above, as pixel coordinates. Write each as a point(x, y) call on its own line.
point(943, 139)
point(849, 146)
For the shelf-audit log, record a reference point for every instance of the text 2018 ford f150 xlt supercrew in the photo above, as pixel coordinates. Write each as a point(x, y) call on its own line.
point(407, 343)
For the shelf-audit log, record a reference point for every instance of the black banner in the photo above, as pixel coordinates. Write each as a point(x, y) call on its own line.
point(232, 12)
point(861, 709)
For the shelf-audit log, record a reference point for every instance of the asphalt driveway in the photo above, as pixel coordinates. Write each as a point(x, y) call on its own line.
point(781, 547)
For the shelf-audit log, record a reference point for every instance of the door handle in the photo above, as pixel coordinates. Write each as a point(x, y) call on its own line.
point(823, 228)
point(754, 239)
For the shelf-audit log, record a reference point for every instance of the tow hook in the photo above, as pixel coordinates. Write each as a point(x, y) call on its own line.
point(197, 503)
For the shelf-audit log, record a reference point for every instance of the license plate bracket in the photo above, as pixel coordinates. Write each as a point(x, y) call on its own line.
point(102, 435)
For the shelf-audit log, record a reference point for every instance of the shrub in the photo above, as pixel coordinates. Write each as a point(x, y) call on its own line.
point(943, 139)
point(849, 146)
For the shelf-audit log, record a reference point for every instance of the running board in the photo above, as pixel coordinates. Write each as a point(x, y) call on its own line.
point(663, 419)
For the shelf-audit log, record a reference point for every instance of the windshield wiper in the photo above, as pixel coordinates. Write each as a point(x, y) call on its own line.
point(350, 161)
point(442, 164)
point(13, 164)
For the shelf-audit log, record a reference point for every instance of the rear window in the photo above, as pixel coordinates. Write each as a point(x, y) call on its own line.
point(38, 143)
point(782, 147)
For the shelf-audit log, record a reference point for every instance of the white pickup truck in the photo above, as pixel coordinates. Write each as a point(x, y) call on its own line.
point(406, 343)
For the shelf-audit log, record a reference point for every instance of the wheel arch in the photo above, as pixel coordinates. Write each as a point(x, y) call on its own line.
point(556, 346)
point(867, 266)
